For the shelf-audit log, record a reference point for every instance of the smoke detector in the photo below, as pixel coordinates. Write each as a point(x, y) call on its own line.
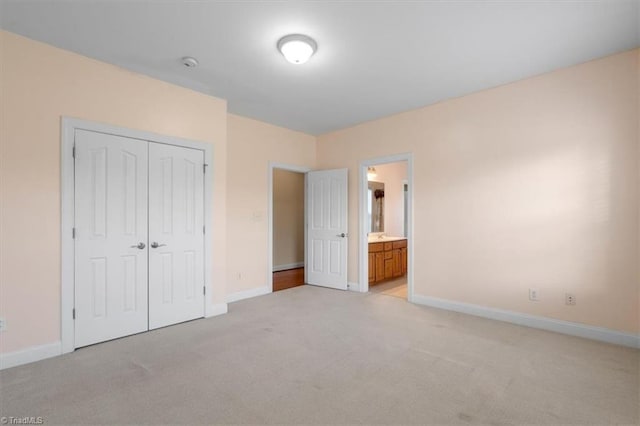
point(189, 62)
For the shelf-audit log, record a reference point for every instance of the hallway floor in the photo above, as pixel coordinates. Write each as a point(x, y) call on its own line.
point(290, 278)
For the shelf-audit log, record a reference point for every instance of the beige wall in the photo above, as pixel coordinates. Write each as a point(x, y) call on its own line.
point(288, 218)
point(39, 84)
point(393, 175)
point(531, 184)
point(251, 146)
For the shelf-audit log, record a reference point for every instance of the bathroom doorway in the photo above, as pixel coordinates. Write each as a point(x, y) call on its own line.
point(385, 223)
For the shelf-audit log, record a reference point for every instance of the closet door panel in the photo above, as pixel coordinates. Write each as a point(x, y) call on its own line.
point(176, 234)
point(110, 237)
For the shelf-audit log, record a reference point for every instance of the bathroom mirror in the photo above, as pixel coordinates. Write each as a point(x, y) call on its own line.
point(376, 206)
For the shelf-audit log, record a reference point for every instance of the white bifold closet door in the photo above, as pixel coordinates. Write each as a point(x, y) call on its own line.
point(176, 235)
point(139, 243)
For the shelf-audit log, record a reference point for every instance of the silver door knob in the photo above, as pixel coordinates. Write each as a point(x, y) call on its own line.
point(343, 235)
point(140, 246)
point(156, 245)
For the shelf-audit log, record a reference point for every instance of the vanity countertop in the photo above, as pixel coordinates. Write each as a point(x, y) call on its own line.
point(385, 239)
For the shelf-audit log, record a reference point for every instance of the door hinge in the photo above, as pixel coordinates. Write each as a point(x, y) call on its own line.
point(203, 230)
point(73, 313)
point(73, 151)
point(204, 290)
point(73, 233)
point(204, 168)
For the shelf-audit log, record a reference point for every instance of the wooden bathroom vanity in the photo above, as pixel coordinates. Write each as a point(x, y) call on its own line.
point(387, 260)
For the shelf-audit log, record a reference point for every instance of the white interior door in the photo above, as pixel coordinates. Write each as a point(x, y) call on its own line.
point(326, 252)
point(176, 234)
point(110, 237)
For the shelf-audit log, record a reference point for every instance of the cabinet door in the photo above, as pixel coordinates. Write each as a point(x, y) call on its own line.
point(380, 266)
point(397, 266)
point(403, 260)
point(388, 268)
point(372, 268)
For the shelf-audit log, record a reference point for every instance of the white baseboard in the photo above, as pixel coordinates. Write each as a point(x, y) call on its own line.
point(353, 287)
point(288, 266)
point(216, 309)
point(549, 324)
point(37, 353)
point(247, 294)
point(32, 354)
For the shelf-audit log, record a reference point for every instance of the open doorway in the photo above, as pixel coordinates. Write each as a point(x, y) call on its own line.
point(288, 244)
point(386, 234)
point(325, 228)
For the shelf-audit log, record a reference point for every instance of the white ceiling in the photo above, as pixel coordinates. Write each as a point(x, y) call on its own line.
point(374, 58)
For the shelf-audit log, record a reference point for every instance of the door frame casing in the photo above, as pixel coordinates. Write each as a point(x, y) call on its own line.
point(363, 241)
point(67, 213)
point(291, 168)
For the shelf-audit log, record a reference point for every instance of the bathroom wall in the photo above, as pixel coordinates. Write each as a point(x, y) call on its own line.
point(40, 84)
point(288, 219)
point(393, 176)
point(532, 184)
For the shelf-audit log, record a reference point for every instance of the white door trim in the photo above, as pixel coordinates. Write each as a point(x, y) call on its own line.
point(291, 168)
point(67, 181)
point(363, 273)
point(405, 226)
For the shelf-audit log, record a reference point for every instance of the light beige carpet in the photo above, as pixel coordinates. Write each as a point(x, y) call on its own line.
point(312, 355)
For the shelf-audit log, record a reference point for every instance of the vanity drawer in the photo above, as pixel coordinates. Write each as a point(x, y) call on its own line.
point(388, 246)
point(376, 247)
point(399, 244)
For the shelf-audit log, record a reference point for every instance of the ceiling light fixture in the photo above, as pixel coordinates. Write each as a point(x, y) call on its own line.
point(189, 62)
point(297, 48)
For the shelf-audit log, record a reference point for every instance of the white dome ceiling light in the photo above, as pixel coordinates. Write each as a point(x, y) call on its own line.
point(297, 48)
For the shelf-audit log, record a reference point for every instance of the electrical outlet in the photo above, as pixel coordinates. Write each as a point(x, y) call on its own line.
point(533, 294)
point(3, 324)
point(569, 299)
point(239, 276)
